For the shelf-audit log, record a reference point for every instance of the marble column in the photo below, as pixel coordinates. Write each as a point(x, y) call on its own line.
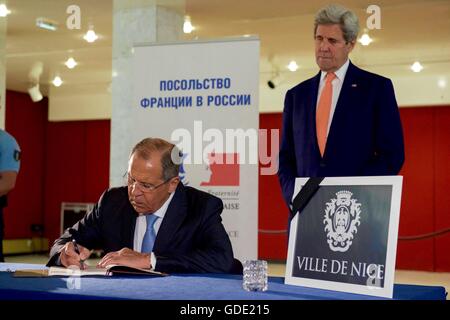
point(134, 22)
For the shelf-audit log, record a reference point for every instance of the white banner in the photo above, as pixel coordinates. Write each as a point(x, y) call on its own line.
point(203, 96)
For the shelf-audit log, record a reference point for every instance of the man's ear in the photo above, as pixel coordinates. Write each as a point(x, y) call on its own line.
point(173, 184)
point(351, 45)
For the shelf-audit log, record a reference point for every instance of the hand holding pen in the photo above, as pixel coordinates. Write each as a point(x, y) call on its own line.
point(77, 250)
point(74, 254)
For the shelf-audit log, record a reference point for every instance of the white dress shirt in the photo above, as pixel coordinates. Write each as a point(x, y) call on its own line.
point(141, 227)
point(337, 86)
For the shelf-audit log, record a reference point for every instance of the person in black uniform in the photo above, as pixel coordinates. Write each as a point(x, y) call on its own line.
point(9, 168)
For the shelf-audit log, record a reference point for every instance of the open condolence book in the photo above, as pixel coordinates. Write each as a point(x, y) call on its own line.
point(90, 271)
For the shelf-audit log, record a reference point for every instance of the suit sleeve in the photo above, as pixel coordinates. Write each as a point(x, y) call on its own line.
point(389, 153)
point(287, 165)
point(212, 251)
point(86, 232)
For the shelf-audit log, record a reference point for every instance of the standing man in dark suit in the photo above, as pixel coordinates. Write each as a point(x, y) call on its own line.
point(155, 222)
point(344, 121)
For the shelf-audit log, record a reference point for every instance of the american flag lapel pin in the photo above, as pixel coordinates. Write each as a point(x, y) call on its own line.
point(354, 85)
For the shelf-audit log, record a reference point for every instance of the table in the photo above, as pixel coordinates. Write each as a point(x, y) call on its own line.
point(177, 287)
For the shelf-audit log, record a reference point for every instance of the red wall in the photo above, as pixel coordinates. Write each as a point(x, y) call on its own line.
point(417, 213)
point(26, 121)
point(273, 214)
point(61, 162)
point(77, 166)
point(69, 161)
point(425, 208)
point(442, 187)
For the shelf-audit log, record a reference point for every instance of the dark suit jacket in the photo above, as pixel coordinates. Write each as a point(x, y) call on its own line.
point(191, 237)
point(365, 136)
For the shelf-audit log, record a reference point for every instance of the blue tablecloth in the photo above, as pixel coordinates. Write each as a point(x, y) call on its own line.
point(176, 287)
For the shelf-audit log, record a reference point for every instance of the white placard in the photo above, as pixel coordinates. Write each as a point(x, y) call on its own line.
point(345, 239)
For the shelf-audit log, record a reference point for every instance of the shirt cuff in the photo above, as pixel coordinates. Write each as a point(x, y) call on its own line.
point(153, 260)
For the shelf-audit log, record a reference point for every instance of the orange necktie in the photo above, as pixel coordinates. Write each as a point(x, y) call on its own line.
point(323, 112)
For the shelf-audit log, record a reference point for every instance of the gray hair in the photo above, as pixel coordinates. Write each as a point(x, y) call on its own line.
point(336, 14)
point(170, 155)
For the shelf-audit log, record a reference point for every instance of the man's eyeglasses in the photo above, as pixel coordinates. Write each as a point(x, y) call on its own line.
point(143, 186)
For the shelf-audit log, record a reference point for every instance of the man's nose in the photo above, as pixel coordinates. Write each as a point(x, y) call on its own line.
point(135, 191)
point(324, 46)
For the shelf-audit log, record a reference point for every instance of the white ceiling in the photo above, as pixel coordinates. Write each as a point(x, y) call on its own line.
point(410, 30)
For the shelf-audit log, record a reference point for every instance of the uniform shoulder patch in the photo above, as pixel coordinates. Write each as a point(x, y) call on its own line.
point(17, 155)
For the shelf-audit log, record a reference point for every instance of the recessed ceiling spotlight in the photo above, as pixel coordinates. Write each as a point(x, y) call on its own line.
point(292, 66)
point(4, 11)
point(71, 63)
point(187, 25)
point(90, 36)
point(442, 83)
point(416, 67)
point(365, 39)
point(57, 81)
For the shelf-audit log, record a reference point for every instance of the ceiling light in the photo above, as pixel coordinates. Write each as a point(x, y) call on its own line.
point(4, 10)
point(365, 39)
point(274, 81)
point(57, 81)
point(187, 25)
point(71, 63)
point(35, 93)
point(442, 83)
point(46, 24)
point(292, 66)
point(90, 36)
point(416, 67)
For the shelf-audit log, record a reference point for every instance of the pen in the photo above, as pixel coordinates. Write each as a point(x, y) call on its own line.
point(77, 250)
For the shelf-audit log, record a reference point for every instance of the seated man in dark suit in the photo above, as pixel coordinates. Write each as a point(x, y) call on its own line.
point(155, 222)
